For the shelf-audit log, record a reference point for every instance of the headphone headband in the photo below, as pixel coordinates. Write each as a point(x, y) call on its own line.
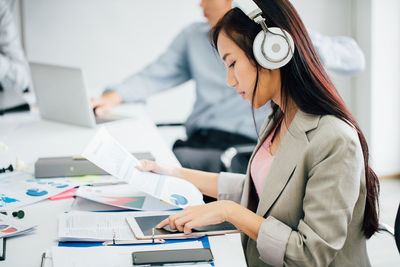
point(248, 7)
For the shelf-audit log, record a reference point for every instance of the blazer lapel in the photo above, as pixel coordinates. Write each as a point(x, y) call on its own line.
point(290, 151)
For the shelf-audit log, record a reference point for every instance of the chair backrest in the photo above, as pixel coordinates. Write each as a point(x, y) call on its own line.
point(397, 229)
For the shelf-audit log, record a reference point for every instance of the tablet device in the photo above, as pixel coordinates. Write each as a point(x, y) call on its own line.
point(142, 227)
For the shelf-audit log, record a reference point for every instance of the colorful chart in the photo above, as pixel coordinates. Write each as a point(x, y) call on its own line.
point(44, 182)
point(35, 192)
point(134, 202)
point(60, 185)
point(178, 199)
point(10, 230)
point(8, 200)
point(22, 189)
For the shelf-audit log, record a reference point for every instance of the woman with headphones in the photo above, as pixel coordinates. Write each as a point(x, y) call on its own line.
point(309, 197)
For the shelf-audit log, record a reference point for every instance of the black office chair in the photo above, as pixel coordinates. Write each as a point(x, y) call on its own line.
point(236, 158)
point(397, 229)
point(233, 159)
point(394, 232)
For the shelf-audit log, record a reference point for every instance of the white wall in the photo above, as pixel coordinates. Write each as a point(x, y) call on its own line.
point(361, 21)
point(330, 17)
point(385, 94)
point(109, 39)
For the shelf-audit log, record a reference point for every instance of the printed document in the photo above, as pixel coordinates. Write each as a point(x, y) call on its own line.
point(98, 226)
point(94, 226)
point(104, 151)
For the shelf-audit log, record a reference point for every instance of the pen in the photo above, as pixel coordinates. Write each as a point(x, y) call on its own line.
point(3, 255)
point(134, 242)
point(106, 183)
point(42, 261)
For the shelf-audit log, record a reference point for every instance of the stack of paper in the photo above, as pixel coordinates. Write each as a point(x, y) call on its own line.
point(108, 154)
point(10, 227)
point(97, 226)
point(94, 226)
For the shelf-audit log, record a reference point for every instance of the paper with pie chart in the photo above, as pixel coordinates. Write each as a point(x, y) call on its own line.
point(19, 189)
point(11, 227)
point(105, 152)
point(123, 196)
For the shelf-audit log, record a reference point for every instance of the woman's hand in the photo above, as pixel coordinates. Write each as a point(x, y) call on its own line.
point(152, 166)
point(198, 216)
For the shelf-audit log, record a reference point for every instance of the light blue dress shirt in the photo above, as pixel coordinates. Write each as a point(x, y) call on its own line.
point(217, 106)
point(14, 71)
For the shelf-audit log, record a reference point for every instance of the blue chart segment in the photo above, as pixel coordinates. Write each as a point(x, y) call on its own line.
point(178, 199)
point(43, 182)
point(7, 200)
point(60, 185)
point(36, 192)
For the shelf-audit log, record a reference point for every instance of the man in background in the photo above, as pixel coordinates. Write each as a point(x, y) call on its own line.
point(14, 71)
point(219, 119)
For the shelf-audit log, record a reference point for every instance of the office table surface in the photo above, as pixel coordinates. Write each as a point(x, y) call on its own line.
point(29, 137)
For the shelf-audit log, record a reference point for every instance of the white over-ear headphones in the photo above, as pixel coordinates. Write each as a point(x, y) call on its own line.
point(273, 47)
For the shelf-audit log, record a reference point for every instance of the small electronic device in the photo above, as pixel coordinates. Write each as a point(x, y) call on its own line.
point(142, 227)
point(73, 166)
point(175, 256)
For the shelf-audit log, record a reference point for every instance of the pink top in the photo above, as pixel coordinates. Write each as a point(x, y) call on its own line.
point(261, 163)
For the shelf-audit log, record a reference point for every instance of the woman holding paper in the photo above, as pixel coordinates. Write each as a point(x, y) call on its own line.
point(309, 196)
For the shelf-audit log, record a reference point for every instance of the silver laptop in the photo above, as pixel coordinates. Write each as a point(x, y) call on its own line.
point(61, 95)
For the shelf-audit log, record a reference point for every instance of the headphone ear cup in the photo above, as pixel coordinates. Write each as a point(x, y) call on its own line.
point(278, 48)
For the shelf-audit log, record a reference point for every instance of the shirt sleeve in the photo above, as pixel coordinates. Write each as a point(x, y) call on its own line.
point(328, 205)
point(169, 70)
point(13, 65)
point(230, 186)
point(340, 54)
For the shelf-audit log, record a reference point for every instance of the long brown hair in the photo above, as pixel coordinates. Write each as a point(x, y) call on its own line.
point(303, 80)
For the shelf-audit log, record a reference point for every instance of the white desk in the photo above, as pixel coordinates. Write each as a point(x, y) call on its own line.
point(29, 137)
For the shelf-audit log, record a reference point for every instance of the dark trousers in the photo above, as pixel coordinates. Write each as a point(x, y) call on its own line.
point(203, 149)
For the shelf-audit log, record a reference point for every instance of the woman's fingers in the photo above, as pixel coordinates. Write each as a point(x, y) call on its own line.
point(187, 230)
point(146, 165)
point(181, 222)
point(163, 223)
point(195, 216)
point(175, 221)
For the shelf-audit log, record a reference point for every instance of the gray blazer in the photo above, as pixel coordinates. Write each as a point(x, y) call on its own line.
point(313, 199)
